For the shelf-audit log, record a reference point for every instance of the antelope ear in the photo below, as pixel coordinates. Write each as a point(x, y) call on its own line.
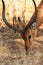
point(19, 19)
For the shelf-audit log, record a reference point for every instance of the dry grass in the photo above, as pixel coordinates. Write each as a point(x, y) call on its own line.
point(12, 47)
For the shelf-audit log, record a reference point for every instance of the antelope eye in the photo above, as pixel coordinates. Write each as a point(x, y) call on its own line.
point(29, 37)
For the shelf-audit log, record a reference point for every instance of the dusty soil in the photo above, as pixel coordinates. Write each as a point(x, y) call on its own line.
point(12, 49)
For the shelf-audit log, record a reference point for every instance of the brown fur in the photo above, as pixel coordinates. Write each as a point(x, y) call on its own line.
point(39, 21)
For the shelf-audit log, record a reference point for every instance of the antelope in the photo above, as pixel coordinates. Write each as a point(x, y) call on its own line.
point(26, 31)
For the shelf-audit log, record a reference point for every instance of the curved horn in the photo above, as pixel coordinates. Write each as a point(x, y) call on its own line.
point(6, 22)
point(15, 28)
point(32, 20)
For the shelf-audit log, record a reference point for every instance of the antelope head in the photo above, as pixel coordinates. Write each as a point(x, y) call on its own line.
point(25, 31)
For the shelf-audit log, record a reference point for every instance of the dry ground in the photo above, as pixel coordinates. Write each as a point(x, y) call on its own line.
point(12, 49)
